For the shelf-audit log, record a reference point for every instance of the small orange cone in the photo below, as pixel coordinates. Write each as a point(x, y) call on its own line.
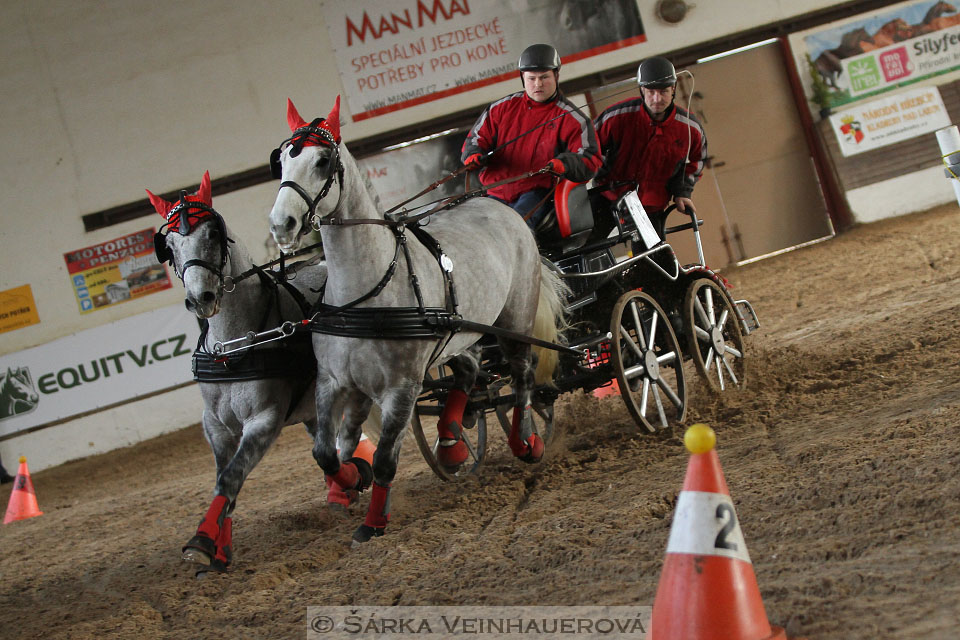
point(23, 499)
point(365, 449)
point(613, 389)
point(707, 589)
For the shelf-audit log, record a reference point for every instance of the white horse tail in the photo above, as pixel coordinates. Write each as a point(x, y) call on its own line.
point(551, 321)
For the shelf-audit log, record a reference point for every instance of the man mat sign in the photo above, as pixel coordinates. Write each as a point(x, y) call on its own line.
point(399, 54)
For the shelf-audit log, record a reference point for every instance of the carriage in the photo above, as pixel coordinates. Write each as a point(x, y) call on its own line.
point(635, 316)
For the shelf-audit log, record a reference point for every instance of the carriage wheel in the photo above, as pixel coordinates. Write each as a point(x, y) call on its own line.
point(648, 362)
point(424, 426)
point(714, 339)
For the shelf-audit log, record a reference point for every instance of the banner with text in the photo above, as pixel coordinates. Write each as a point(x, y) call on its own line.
point(17, 308)
point(395, 55)
point(888, 120)
point(116, 271)
point(885, 50)
point(97, 368)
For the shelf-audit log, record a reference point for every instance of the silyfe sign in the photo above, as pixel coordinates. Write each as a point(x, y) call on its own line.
point(97, 368)
point(393, 55)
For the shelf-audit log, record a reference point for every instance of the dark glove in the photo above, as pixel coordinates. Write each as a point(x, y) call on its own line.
point(556, 166)
point(475, 161)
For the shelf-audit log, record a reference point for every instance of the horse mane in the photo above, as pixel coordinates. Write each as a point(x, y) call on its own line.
point(351, 166)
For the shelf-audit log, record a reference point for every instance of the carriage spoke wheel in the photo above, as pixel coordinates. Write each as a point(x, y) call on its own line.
point(714, 339)
point(648, 362)
point(423, 423)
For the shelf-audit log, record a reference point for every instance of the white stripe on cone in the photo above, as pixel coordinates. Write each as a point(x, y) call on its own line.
point(705, 524)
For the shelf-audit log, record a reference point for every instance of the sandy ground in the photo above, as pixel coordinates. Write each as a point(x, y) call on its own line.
point(841, 457)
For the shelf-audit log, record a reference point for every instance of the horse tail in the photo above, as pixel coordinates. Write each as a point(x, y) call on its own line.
point(550, 322)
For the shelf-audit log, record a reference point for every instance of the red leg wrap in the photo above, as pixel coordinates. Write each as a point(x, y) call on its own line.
point(336, 494)
point(452, 412)
point(225, 543)
point(517, 445)
point(452, 451)
point(378, 514)
point(347, 476)
point(211, 523)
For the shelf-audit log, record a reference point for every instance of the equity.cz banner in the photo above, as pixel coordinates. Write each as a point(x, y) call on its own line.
point(96, 368)
point(398, 54)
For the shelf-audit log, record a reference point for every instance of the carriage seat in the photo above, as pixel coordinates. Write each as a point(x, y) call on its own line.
point(568, 226)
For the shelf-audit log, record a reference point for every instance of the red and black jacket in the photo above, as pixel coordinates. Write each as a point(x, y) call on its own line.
point(567, 135)
point(638, 149)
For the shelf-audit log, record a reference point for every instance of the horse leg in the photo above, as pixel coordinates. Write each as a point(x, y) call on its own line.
point(213, 542)
point(396, 409)
point(452, 451)
point(353, 474)
point(524, 443)
point(351, 430)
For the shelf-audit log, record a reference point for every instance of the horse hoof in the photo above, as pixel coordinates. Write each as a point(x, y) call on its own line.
point(534, 452)
point(196, 556)
point(365, 471)
point(364, 533)
point(451, 454)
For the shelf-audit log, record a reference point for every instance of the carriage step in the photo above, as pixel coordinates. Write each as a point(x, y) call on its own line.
point(748, 317)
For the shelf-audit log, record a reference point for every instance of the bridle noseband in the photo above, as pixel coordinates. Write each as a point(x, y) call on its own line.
point(318, 136)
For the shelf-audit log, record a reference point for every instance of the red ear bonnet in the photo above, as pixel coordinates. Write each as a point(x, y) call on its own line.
point(330, 124)
point(171, 211)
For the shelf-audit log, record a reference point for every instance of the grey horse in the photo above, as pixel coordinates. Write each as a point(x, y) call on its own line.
point(249, 398)
point(383, 273)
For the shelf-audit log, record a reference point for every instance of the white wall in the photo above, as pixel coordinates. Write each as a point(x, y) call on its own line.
point(104, 99)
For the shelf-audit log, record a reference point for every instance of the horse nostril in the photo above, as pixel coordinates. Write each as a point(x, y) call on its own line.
point(188, 303)
point(209, 297)
point(289, 224)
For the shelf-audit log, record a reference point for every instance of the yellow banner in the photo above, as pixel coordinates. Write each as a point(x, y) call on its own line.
point(17, 309)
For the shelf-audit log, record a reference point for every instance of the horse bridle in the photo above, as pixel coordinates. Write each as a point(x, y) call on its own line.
point(317, 135)
point(186, 210)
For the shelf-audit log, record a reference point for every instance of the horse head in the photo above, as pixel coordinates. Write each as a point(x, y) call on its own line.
point(309, 163)
point(18, 387)
point(195, 237)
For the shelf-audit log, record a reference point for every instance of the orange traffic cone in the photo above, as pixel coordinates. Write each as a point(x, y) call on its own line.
point(23, 499)
point(707, 589)
point(613, 389)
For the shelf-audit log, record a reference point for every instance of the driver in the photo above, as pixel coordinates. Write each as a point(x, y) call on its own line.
point(652, 143)
point(529, 130)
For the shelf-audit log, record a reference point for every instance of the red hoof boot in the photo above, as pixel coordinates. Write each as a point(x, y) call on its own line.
point(338, 498)
point(452, 453)
point(529, 450)
point(224, 557)
point(202, 548)
point(378, 515)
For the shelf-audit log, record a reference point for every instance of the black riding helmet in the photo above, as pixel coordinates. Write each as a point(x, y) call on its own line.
point(656, 73)
point(539, 56)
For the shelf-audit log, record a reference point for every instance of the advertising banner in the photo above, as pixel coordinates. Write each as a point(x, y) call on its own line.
point(97, 368)
point(398, 54)
point(889, 119)
point(889, 49)
point(116, 271)
point(17, 308)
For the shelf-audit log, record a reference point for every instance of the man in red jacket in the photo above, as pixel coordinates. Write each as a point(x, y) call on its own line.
point(651, 144)
point(530, 130)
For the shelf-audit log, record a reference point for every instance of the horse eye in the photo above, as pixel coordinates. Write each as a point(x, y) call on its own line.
point(322, 162)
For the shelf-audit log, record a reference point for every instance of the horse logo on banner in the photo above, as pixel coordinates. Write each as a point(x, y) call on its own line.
point(18, 395)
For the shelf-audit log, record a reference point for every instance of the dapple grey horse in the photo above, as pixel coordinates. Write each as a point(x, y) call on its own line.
point(384, 272)
point(252, 396)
